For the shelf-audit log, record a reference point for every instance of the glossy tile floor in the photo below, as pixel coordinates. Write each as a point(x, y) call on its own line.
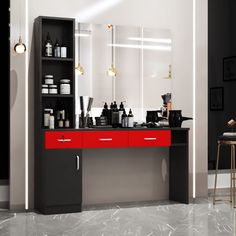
point(165, 219)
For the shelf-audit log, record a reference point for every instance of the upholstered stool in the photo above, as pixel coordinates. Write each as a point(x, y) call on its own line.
point(227, 140)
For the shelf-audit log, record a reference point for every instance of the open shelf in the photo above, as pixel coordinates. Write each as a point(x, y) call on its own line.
point(58, 95)
point(57, 59)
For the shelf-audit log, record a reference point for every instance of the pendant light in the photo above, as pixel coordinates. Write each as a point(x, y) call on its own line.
point(112, 70)
point(20, 47)
point(79, 68)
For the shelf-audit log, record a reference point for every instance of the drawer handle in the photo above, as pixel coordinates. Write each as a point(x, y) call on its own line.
point(64, 140)
point(150, 139)
point(105, 139)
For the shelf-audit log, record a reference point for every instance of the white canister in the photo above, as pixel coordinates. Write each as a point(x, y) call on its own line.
point(64, 86)
point(63, 51)
point(53, 89)
point(48, 79)
point(44, 89)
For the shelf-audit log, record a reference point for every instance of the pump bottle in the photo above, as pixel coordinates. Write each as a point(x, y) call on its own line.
point(130, 119)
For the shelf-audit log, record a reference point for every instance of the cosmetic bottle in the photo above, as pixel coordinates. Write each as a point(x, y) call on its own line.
point(51, 121)
point(121, 110)
point(48, 46)
point(115, 116)
point(105, 111)
point(57, 49)
point(110, 113)
point(130, 119)
point(124, 120)
point(67, 123)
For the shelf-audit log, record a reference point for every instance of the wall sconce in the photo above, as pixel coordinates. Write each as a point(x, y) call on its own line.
point(20, 46)
point(169, 73)
point(112, 70)
point(79, 69)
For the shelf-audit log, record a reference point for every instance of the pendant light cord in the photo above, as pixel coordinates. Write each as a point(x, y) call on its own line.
point(20, 17)
point(79, 44)
point(112, 41)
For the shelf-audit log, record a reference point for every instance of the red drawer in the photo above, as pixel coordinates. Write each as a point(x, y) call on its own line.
point(149, 138)
point(105, 139)
point(63, 139)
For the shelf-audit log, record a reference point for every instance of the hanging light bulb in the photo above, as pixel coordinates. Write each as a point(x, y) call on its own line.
point(79, 69)
point(112, 70)
point(20, 47)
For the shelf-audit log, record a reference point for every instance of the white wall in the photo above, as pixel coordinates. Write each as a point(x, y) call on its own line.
point(201, 98)
point(17, 109)
point(174, 15)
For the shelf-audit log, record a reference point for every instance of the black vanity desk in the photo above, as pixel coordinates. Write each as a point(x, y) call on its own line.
point(58, 164)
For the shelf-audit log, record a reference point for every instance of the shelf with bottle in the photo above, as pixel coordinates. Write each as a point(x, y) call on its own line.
point(58, 95)
point(57, 59)
point(60, 109)
point(51, 46)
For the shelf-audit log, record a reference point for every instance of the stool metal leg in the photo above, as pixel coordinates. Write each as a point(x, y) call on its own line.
point(231, 171)
point(234, 176)
point(216, 171)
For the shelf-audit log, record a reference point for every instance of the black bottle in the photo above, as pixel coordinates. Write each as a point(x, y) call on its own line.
point(121, 110)
point(48, 46)
point(110, 113)
point(115, 116)
point(130, 119)
point(105, 112)
point(124, 120)
point(57, 49)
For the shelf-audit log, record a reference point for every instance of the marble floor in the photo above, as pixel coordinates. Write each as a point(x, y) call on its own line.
point(199, 218)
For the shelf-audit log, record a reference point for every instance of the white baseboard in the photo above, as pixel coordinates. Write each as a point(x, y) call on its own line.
point(223, 180)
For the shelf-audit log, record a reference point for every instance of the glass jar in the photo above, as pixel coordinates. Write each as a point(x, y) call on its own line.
point(48, 79)
point(53, 89)
point(44, 89)
point(64, 86)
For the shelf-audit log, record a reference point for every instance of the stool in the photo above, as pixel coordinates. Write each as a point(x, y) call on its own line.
point(227, 140)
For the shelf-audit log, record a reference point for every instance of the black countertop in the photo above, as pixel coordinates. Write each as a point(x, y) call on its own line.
point(116, 129)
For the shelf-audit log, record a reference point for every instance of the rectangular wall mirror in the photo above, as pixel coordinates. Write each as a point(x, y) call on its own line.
point(142, 58)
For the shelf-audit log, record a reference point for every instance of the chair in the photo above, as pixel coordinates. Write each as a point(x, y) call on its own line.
point(227, 140)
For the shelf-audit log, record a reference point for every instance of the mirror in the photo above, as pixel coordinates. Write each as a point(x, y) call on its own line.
point(142, 58)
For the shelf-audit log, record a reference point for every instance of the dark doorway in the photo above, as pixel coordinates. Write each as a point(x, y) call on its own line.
point(221, 75)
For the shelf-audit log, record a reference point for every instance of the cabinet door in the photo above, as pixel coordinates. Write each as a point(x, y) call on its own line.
point(63, 177)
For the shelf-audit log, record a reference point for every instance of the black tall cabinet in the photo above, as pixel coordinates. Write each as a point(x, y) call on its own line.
point(56, 171)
